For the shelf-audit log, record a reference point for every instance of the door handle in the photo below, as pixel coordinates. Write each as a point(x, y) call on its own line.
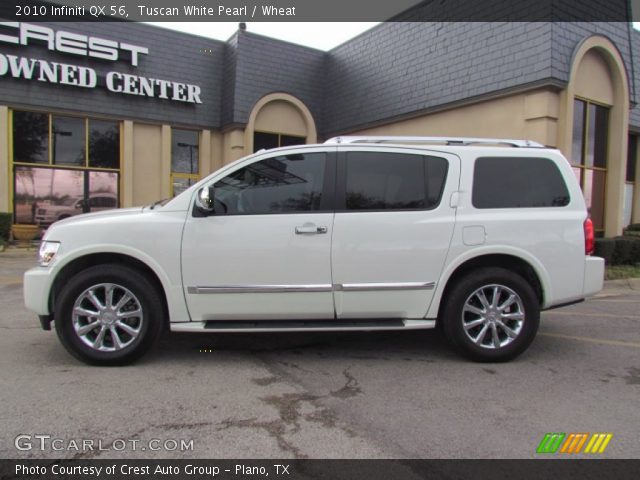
point(310, 229)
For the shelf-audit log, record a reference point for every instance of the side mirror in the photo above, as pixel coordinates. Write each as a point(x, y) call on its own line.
point(204, 199)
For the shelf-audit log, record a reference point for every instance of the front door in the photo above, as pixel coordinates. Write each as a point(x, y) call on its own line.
point(265, 252)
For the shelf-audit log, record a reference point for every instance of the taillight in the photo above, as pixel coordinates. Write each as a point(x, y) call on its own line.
point(589, 237)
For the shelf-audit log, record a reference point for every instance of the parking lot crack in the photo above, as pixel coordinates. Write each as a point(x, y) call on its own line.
point(276, 429)
point(350, 389)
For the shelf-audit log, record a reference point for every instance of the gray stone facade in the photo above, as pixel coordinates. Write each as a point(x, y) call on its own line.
point(396, 70)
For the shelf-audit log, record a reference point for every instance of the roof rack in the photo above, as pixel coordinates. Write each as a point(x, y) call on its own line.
point(462, 141)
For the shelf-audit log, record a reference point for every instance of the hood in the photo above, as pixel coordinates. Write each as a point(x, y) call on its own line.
point(103, 215)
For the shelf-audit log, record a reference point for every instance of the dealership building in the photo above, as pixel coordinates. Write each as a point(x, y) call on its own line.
point(124, 114)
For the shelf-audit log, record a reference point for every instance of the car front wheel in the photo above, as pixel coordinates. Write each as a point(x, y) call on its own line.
point(108, 315)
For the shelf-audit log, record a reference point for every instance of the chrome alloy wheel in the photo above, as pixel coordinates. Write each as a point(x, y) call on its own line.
point(493, 316)
point(107, 317)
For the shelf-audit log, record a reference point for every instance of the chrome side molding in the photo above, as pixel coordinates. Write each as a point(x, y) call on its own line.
point(347, 287)
point(259, 289)
point(378, 287)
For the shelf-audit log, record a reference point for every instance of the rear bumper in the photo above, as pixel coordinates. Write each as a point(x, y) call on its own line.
point(593, 276)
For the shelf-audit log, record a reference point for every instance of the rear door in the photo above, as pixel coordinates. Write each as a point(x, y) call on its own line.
point(392, 230)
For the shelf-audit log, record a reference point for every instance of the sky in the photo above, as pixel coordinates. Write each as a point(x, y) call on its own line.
point(320, 35)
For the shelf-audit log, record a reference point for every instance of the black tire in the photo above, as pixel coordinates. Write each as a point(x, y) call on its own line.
point(148, 323)
point(470, 289)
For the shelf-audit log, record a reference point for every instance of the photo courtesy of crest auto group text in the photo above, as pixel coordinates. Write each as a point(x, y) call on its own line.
point(350, 240)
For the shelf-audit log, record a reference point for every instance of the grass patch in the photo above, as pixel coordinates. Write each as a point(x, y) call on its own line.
point(616, 272)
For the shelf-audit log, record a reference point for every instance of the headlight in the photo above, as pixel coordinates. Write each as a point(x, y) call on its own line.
point(47, 253)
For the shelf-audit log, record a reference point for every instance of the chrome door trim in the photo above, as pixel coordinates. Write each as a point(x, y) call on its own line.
point(378, 287)
point(260, 289)
point(347, 287)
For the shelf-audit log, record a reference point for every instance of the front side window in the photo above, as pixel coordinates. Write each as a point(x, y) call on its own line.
point(516, 182)
point(283, 184)
point(391, 181)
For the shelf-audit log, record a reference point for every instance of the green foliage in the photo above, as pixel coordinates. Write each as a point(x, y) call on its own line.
point(617, 272)
point(634, 227)
point(605, 248)
point(6, 219)
point(623, 250)
point(623, 253)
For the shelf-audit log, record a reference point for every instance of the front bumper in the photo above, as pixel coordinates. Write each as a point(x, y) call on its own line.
point(37, 286)
point(593, 276)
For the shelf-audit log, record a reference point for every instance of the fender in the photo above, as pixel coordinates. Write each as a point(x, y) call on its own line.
point(477, 252)
point(172, 287)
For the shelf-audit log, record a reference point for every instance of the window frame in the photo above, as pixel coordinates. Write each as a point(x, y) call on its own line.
point(279, 135)
point(632, 155)
point(581, 165)
point(50, 154)
point(327, 201)
point(49, 164)
point(341, 182)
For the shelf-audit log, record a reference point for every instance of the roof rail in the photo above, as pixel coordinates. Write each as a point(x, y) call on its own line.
point(463, 141)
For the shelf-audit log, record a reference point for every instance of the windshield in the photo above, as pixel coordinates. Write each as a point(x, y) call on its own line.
point(70, 202)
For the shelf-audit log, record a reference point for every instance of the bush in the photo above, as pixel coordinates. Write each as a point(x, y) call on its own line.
point(605, 248)
point(634, 227)
point(619, 250)
point(623, 253)
point(6, 219)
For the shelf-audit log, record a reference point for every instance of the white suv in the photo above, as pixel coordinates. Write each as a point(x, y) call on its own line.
point(359, 233)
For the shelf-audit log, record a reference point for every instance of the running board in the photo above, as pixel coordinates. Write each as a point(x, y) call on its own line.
point(301, 325)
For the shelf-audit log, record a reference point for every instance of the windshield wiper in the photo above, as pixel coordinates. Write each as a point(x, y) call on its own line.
point(155, 204)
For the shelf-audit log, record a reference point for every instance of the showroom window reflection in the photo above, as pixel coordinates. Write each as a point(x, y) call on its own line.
point(63, 166)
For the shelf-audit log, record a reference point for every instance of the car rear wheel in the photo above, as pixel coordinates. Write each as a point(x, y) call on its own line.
point(491, 315)
point(108, 315)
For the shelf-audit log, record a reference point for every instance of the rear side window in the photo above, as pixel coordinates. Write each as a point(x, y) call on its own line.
point(393, 181)
point(516, 182)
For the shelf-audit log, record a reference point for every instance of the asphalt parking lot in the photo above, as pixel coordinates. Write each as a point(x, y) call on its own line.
point(350, 395)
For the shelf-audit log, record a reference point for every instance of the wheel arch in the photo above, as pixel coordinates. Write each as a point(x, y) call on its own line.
point(529, 269)
point(107, 258)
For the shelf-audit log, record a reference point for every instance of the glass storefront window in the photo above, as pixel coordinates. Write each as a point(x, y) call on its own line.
point(265, 140)
point(184, 151)
point(65, 181)
point(589, 155)
point(44, 195)
point(68, 141)
point(104, 144)
point(180, 184)
point(30, 137)
point(185, 159)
